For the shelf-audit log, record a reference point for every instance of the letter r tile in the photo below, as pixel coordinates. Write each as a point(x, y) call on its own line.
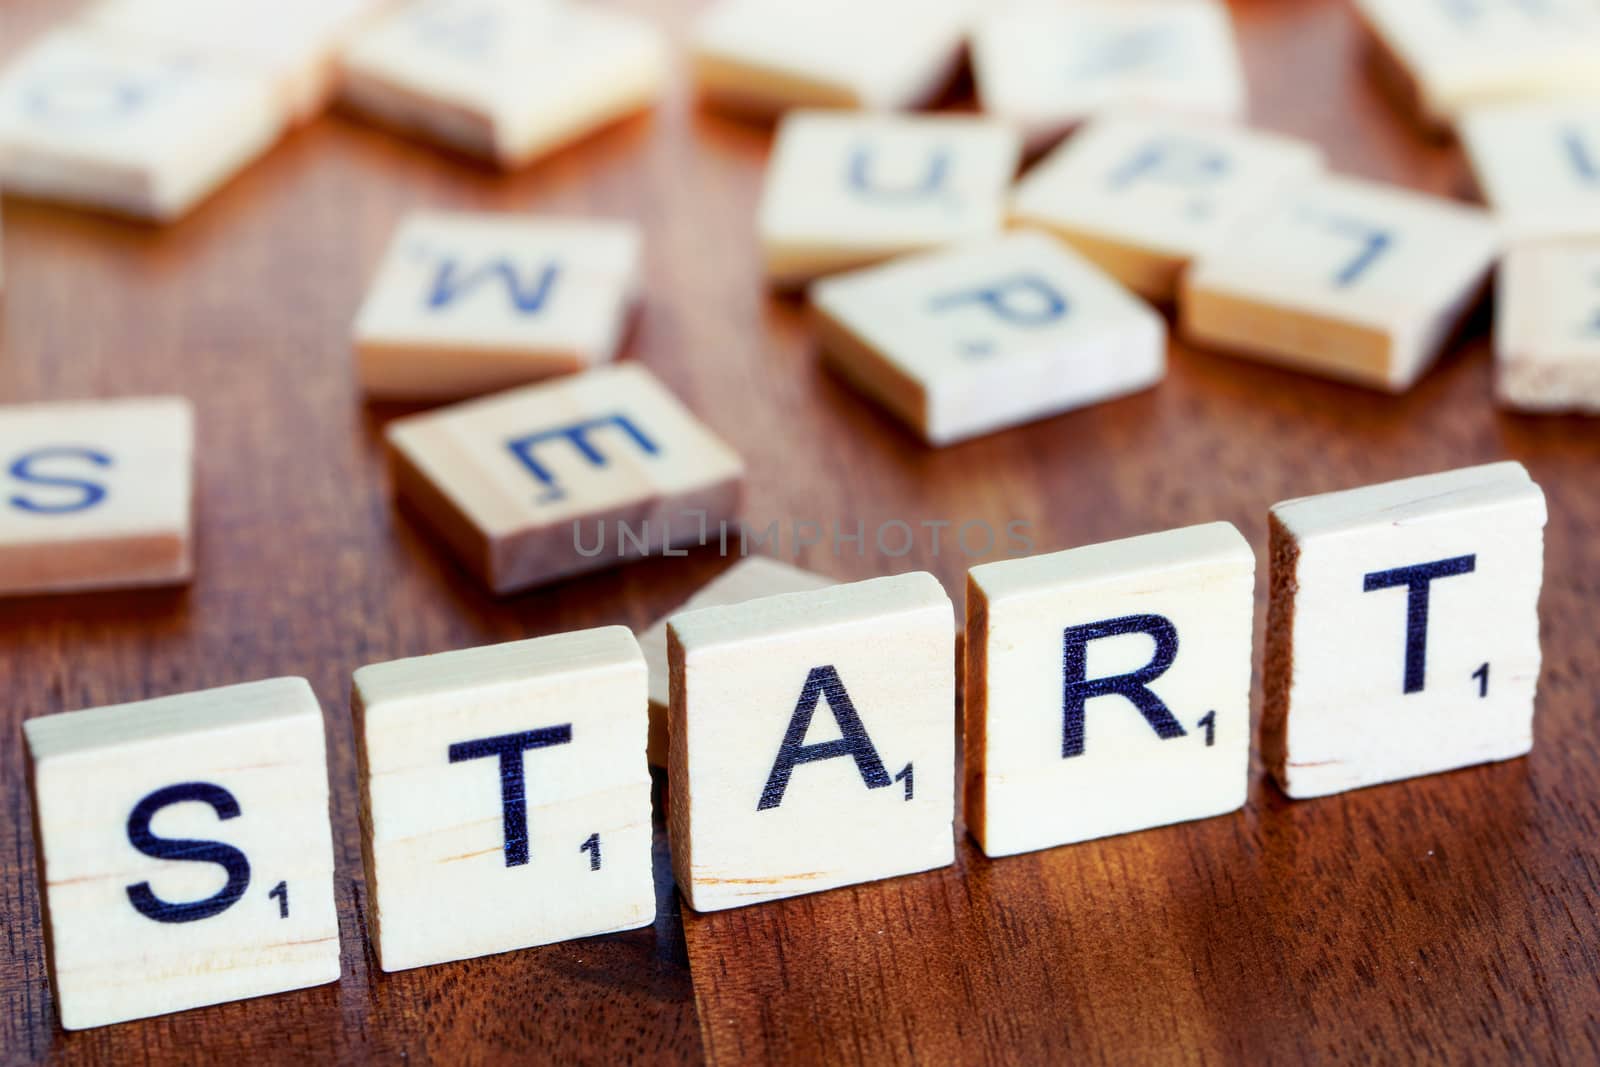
point(505, 796)
point(812, 742)
point(96, 495)
point(185, 851)
point(1108, 688)
point(1404, 633)
point(552, 480)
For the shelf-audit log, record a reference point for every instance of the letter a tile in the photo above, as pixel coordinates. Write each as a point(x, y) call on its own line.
point(505, 80)
point(96, 495)
point(553, 480)
point(1108, 688)
point(982, 336)
point(812, 741)
point(1343, 278)
point(1404, 632)
point(1143, 196)
point(505, 796)
point(185, 851)
point(132, 128)
point(1547, 328)
point(465, 304)
point(845, 190)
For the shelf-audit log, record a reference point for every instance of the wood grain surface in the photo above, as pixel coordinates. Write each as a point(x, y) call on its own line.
point(1448, 919)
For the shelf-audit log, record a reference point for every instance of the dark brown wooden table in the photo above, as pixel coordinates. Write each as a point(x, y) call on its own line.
point(1449, 919)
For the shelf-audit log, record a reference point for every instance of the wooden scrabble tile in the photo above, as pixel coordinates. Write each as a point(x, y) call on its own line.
point(761, 57)
point(812, 741)
point(749, 579)
point(986, 335)
point(505, 796)
point(293, 43)
point(146, 132)
point(1539, 165)
point(1444, 56)
point(1142, 196)
point(506, 80)
point(848, 189)
point(1403, 637)
point(1547, 328)
point(465, 304)
point(1045, 68)
point(97, 495)
point(1343, 278)
point(1108, 688)
point(553, 480)
point(185, 853)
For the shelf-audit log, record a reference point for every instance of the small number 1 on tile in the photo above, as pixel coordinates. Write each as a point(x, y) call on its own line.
point(591, 845)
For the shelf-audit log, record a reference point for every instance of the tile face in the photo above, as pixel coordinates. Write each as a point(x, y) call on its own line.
point(1448, 55)
point(465, 304)
point(185, 851)
point(761, 57)
point(812, 741)
point(96, 495)
point(1547, 328)
point(987, 335)
point(293, 43)
point(1404, 632)
point(146, 132)
point(1108, 688)
point(507, 80)
point(844, 190)
point(552, 480)
point(1046, 68)
point(1343, 278)
point(1142, 196)
point(749, 579)
point(505, 796)
point(1539, 165)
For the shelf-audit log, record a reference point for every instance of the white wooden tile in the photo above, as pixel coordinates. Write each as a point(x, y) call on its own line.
point(1547, 328)
point(557, 479)
point(986, 335)
point(507, 80)
point(1108, 688)
point(510, 780)
point(96, 495)
point(761, 57)
point(140, 131)
point(293, 43)
point(465, 304)
point(1046, 67)
point(849, 189)
point(1143, 195)
point(1538, 165)
point(1403, 637)
point(1343, 278)
point(749, 579)
point(1443, 56)
point(812, 741)
point(185, 851)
